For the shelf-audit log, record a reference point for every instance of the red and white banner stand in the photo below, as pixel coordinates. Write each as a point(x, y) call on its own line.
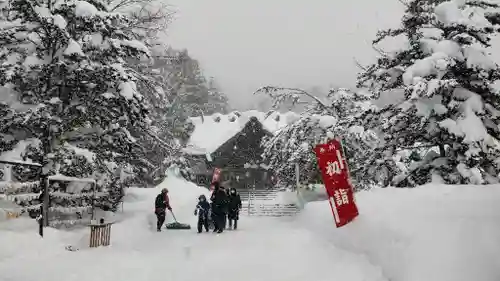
point(335, 175)
point(215, 177)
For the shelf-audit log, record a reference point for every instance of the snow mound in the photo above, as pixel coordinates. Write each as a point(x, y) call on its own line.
point(183, 199)
point(183, 196)
point(435, 232)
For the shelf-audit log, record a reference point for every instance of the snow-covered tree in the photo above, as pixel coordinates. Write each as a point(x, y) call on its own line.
point(337, 116)
point(69, 59)
point(450, 89)
point(217, 100)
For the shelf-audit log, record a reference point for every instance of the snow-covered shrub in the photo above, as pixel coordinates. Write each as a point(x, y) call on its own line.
point(337, 117)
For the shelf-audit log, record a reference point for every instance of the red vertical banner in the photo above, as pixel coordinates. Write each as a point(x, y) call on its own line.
point(335, 174)
point(215, 177)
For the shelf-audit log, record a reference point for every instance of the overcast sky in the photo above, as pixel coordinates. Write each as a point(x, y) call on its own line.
point(296, 43)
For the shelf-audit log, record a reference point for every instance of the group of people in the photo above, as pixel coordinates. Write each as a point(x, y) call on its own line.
point(224, 208)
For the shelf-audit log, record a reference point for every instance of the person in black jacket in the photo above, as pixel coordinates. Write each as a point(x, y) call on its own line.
point(225, 209)
point(234, 207)
point(202, 209)
point(162, 203)
point(219, 205)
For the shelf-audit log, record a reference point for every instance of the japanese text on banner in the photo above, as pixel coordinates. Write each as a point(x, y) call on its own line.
point(335, 176)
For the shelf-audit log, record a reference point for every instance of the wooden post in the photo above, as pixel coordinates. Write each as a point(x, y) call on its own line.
point(46, 197)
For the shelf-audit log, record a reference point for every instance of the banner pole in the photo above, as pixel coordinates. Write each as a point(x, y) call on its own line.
point(348, 171)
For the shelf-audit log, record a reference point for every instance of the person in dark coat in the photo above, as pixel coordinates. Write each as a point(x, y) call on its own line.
point(162, 203)
point(219, 205)
point(234, 207)
point(202, 210)
point(225, 209)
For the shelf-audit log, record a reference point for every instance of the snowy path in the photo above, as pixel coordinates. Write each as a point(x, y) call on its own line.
point(410, 243)
point(262, 249)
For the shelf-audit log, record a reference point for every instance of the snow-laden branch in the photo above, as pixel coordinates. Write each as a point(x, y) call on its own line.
point(14, 187)
point(280, 94)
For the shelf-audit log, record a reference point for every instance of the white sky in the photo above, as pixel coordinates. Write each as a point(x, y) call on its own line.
point(295, 43)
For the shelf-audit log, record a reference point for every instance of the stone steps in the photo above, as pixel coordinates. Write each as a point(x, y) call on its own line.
point(260, 202)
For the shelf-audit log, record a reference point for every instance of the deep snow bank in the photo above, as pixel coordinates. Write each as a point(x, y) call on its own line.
point(434, 232)
point(183, 195)
point(20, 237)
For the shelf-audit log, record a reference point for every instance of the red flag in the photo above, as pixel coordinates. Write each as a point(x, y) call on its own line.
point(215, 177)
point(335, 175)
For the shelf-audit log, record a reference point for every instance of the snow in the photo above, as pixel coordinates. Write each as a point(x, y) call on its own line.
point(33, 60)
point(495, 87)
point(20, 162)
point(209, 134)
point(136, 45)
point(14, 155)
point(325, 121)
point(477, 58)
point(469, 125)
point(128, 90)
point(85, 9)
point(138, 252)
point(89, 155)
point(59, 177)
point(73, 48)
point(453, 13)
point(43, 12)
point(435, 64)
point(108, 95)
point(60, 22)
point(434, 232)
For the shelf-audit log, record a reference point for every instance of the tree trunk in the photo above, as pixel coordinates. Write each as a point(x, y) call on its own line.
point(442, 152)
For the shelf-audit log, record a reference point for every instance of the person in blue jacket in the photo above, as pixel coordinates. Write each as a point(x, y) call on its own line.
point(202, 210)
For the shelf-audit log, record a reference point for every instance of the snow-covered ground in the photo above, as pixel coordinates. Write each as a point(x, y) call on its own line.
point(434, 232)
point(429, 233)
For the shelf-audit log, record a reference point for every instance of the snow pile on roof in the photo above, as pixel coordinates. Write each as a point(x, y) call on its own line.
point(212, 131)
point(432, 233)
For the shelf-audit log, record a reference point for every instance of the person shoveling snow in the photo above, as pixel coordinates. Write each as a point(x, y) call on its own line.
point(162, 203)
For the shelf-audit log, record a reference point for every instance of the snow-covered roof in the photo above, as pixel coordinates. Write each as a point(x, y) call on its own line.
point(212, 131)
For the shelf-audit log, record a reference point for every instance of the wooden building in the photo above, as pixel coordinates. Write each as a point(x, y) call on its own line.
point(232, 143)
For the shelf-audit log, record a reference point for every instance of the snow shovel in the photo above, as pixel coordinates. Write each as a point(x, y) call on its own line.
point(176, 224)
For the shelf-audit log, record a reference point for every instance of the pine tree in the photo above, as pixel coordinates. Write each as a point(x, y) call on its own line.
point(217, 100)
point(69, 59)
point(450, 92)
